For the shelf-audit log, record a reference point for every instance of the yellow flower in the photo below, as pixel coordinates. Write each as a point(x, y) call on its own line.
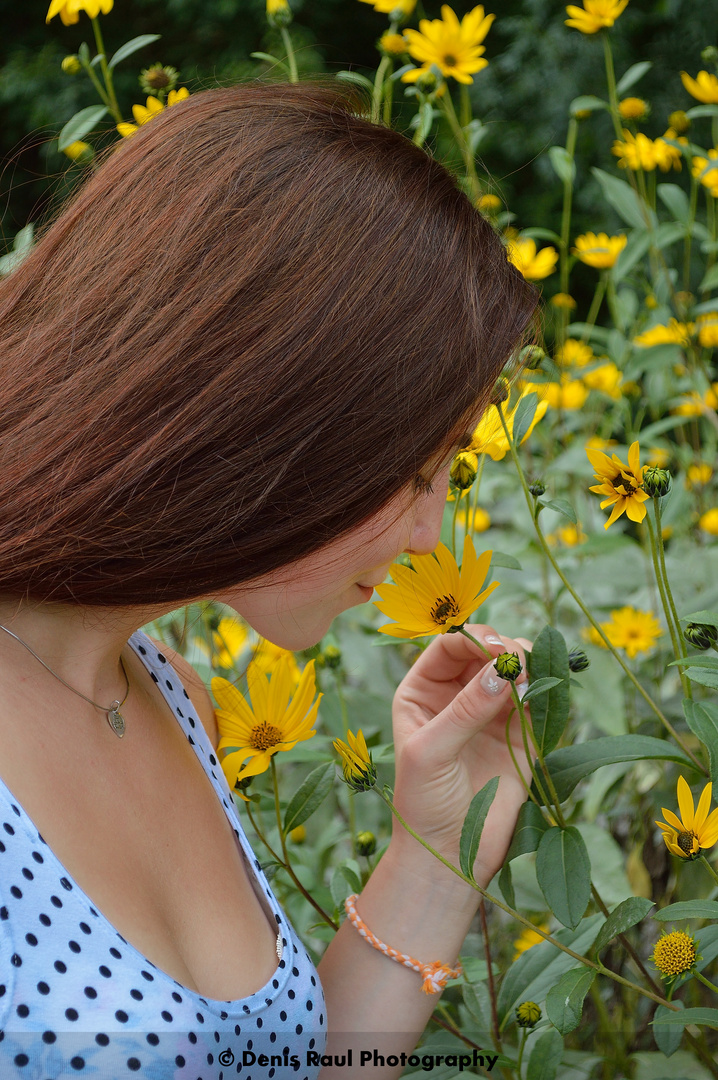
point(568, 394)
point(489, 436)
point(706, 170)
point(632, 630)
point(703, 88)
point(433, 597)
point(699, 474)
point(143, 113)
point(478, 520)
point(606, 378)
point(674, 953)
point(271, 723)
point(527, 939)
point(298, 835)
point(597, 443)
point(590, 633)
point(454, 47)
point(632, 108)
point(574, 353)
point(708, 330)
point(571, 535)
point(266, 655)
point(599, 250)
point(691, 405)
point(489, 203)
point(533, 265)
point(385, 7)
point(709, 521)
point(563, 300)
point(640, 152)
point(676, 333)
point(695, 830)
point(69, 10)
point(277, 7)
point(78, 149)
point(621, 484)
point(392, 44)
point(594, 15)
point(657, 456)
point(357, 765)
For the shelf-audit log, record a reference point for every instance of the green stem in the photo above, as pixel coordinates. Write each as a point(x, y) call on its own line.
point(709, 868)
point(527, 727)
point(522, 1044)
point(345, 720)
point(666, 581)
point(611, 81)
point(293, 75)
point(378, 87)
point(527, 786)
point(107, 74)
point(675, 640)
point(647, 698)
point(478, 644)
point(97, 84)
point(567, 200)
point(689, 235)
point(447, 105)
point(705, 981)
point(595, 304)
point(458, 496)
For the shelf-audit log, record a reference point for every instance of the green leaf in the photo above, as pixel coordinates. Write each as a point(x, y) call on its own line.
point(474, 824)
point(563, 164)
point(549, 659)
point(541, 686)
point(531, 976)
point(276, 61)
point(624, 200)
point(22, 245)
point(353, 77)
point(309, 796)
point(587, 103)
point(688, 909)
point(499, 558)
point(710, 617)
point(475, 133)
point(561, 506)
point(668, 1039)
point(570, 764)
point(506, 885)
point(710, 279)
point(131, 47)
point(530, 827)
point(707, 1017)
point(564, 1002)
point(345, 882)
point(627, 914)
point(563, 870)
point(702, 110)
point(702, 719)
point(79, 125)
point(702, 674)
point(542, 234)
point(545, 1056)
point(636, 247)
point(670, 232)
point(634, 73)
point(675, 199)
point(523, 417)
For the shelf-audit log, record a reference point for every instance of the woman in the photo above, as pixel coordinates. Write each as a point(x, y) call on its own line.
point(236, 367)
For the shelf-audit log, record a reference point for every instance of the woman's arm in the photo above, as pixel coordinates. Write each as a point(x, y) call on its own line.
point(450, 715)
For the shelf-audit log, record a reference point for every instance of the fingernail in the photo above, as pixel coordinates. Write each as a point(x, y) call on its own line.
point(490, 681)
point(521, 689)
point(492, 639)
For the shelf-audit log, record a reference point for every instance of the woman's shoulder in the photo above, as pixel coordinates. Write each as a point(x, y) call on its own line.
point(195, 687)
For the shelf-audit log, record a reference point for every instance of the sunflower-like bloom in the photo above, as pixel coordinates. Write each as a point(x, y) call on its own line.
point(639, 152)
point(357, 766)
point(143, 113)
point(573, 353)
point(695, 830)
point(708, 329)
point(708, 522)
point(599, 250)
point(567, 394)
point(433, 598)
point(675, 953)
point(706, 170)
point(621, 484)
point(594, 15)
point(69, 10)
point(676, 333)
point(533, 264)
point(455, 47)
point(386, 7)
point(633, 108)
point(703, 88)
point(632, 630)
point(606, 377)
point(489, 436)
point(527, 939)
point(253, 733)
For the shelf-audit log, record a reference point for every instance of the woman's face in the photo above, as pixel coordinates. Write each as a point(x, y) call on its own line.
point(294, 606)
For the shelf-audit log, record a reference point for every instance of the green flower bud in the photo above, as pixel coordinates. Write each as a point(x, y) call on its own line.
point(279, 14)
point(528, 1014)
point(532, 356)
point(537, 487)
point(577, 660)
point(656, 482)
point(365, 843)
point(332, 656)
point(700, 635)
point(158, 77)
point(508, 666)
point(464, 469)
point(679, 121)
point(242, 785)
point(71, 65)
point(430, 80)
point(709, 55)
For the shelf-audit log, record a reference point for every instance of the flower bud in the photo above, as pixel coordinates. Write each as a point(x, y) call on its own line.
point(701, 635)
point(577, 660)
point(365, 843)
point(464, 469)
point(79, 151)
point(71, 65)
point(633, 108)
point(709, 55)
point(508, 666)
point(489, 203)
point(158, 77)
point(656, 482)
point(528, 1014)
point(392, 44)
point(429, 81)
point(332, 656)
point(537, 487)
point(279, 14)
point(679, 121)
point(298, 835)
point(532, 356)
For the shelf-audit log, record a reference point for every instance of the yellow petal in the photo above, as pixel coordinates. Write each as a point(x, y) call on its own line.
point(685, 803)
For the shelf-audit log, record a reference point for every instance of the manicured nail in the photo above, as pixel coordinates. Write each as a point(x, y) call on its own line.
point(521, 689)
point(490, 681)
point(492, 639)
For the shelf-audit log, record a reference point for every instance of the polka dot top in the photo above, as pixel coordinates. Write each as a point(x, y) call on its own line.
point(76, 999)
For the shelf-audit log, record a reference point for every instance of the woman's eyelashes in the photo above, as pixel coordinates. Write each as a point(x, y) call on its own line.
point(422, 485)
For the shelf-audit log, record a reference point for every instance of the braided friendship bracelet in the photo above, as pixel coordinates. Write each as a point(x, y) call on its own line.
point(435, 975)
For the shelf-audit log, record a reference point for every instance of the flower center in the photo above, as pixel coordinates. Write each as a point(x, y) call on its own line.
point(264, 735)
point(444, 609)
point(450, 60)
point(685, 841)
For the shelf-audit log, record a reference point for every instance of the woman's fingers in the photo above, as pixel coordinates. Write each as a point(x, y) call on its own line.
point(447, 657)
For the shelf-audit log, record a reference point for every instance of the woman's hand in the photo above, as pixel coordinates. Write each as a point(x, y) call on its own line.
point(450, 713)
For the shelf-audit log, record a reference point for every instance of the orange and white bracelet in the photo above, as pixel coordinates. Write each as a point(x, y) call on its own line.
point(435, 975)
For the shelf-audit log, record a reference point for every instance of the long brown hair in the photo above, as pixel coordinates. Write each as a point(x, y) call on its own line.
point(248, 329)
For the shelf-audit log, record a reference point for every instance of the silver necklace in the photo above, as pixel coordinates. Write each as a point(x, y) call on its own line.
point(114, 717)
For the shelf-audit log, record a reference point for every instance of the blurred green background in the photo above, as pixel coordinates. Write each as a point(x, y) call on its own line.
point(536, 66)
